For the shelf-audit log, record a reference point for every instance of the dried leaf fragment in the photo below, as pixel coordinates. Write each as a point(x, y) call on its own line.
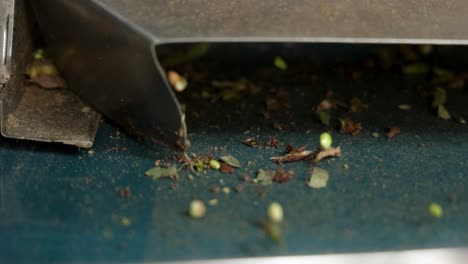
point(318, 178)
point(281, 175)
point(393, 131)
point(226, 168)
point(293, 156)
point(245, 177)
point(239, 187)
point(124, 192)
point(231, 160)
point(272, 142)
point(326, 105)
point(251, 142)
point(330, 152)
point(356, 105)
point(350, 127)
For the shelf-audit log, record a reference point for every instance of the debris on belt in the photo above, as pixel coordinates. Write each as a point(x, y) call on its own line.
point(318, 178)
point(43, 72)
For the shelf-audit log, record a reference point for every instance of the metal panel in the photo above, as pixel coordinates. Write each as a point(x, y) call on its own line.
point(391, 21)
point(106, 48)
point(428, 256)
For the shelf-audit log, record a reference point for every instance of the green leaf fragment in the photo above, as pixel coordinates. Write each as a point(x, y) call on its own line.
point(318, 178)
point(440, 97)
point(280, 63)
point(264, 177)
point(443, 113)
point(231, 160)
point(199, 166)
point(416, 69)
point(324, 117)
point(160, 172)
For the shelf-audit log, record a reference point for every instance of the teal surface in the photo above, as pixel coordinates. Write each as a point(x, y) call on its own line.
point(60, 204)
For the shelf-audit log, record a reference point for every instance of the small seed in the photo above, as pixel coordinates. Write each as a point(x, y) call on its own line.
point(325, 140)
point(275, 212)
point(197, 209)
point(125, 221)
point(226, 190)
point(214, 164)
point(435, 210)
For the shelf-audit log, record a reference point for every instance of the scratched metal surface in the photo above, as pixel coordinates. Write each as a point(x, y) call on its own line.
point(59, 204)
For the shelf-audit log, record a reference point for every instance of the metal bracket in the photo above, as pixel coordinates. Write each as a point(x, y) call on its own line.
point(29, 112)
point(112, 65)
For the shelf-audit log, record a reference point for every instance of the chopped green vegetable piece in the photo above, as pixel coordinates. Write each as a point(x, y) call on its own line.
point(214, 164)
point(229, 159)
point(435, 210)
point(443, 113)
point(325, 140)
point(324, 117)
point(275, 212)
point(280, 63)
point(318, 178)
point(440, 97)
point(346, 166)
point(159, 172)
point(264, 177)
point(416, 69)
